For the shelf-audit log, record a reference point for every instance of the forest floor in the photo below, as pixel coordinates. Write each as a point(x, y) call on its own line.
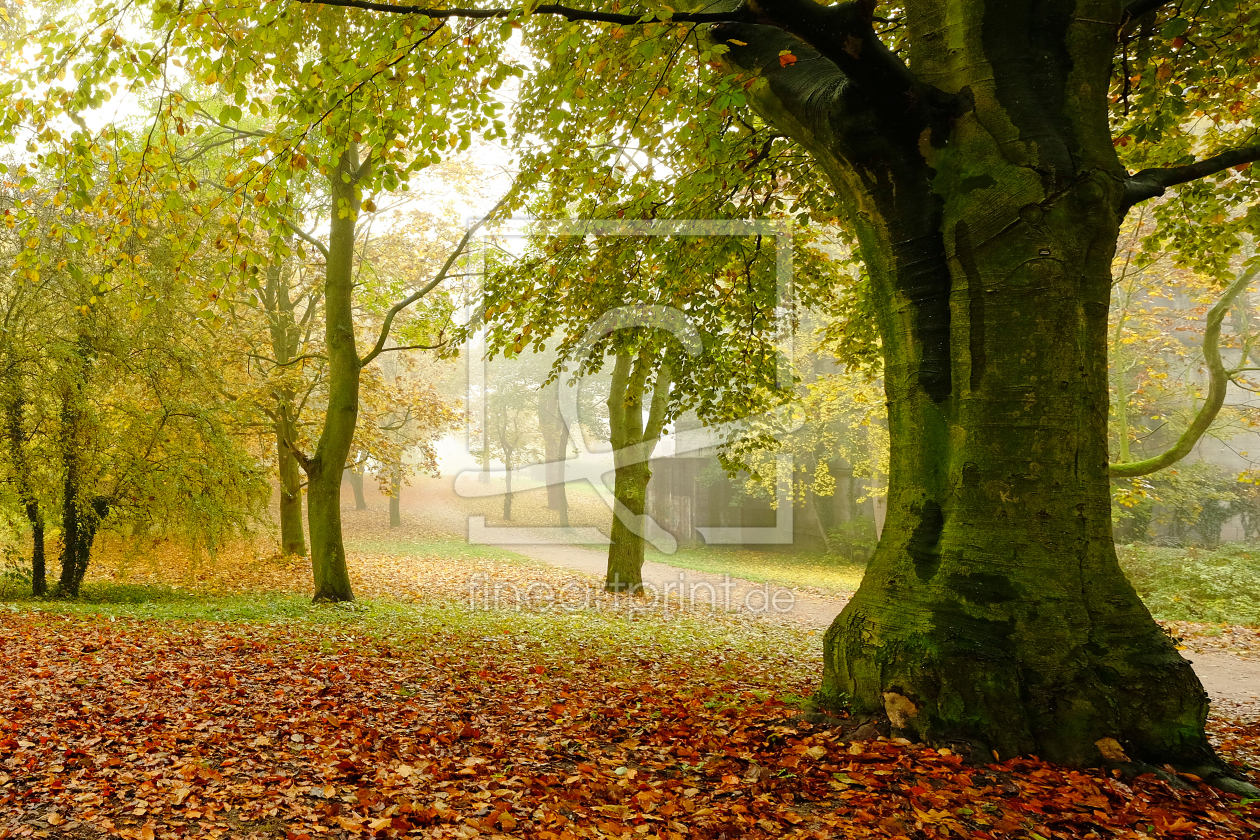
point(477, 691)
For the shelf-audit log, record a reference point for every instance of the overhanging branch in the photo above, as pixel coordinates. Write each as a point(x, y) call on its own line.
point(1151, 183)
point(566, 12)
point(1135, 9)
point(845, 35)
point(1218, 382)
point(379, 347)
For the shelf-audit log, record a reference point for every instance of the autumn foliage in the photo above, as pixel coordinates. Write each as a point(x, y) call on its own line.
point(149, 730)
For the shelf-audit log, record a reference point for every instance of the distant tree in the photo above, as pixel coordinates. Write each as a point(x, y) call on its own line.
point(113, 385)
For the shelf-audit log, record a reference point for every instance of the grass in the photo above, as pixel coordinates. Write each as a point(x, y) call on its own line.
point(452, 547)
point(723, 644)
point(800, 569)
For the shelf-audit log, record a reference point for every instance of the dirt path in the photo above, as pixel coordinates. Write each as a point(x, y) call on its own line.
point(1232, 682)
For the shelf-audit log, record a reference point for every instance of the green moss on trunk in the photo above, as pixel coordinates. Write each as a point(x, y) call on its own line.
point(978, 170)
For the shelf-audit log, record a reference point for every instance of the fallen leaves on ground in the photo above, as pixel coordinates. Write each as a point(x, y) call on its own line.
point(391, 572)
point(156, 731)
point(1243, 642)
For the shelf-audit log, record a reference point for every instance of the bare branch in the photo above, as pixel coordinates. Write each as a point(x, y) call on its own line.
point(1218, 382)
point(379, 347)
point(566, 12)
point(437, 346)
point(1151, 183)
point(293, 361)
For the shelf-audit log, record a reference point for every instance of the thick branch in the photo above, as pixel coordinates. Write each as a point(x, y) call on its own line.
point(437, 346)
point(1151, 183)
point(565, 12)
point(319, 246)
point(1218, 382)
point(1135, 9)
point(660, 402)
point(379, 347)
point(844, 35)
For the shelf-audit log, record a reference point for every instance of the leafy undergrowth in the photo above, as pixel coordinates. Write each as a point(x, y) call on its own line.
point(1219, 586)
point(332, 726)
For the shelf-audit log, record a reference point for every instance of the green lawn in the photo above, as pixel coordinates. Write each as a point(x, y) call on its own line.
point(799, 569)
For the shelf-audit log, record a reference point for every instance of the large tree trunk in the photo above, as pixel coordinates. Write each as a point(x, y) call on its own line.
point(324, 469)
point(994, 609)
point(987, 199)
point(625, 553)
point(292, 532)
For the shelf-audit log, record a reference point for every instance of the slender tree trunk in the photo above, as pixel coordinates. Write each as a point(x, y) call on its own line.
point(328, 553)
point(324, 469)
point(507, 490)
point(14, 408)
point(811, 499)
point(356, 484)
point(39, 571)
point(556, 449)
point(68, 584)
point(1121, 403)
point(72, 508)
point(395, 496)
point(292, 531)
point(284, 346)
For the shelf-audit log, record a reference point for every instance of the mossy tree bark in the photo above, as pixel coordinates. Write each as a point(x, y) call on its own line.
point(987, 199)
point(292, 531)
point(633, 440)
